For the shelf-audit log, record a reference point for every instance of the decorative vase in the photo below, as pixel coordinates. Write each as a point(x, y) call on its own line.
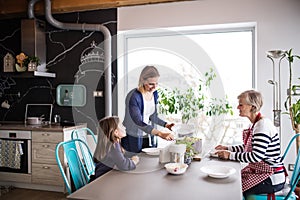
point(20, 68)
point(187, 159)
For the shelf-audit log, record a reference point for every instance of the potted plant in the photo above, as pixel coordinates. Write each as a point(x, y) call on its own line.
point(24, 62)
point(32, 62)
point(20, 66)
point(193, 147)
point(292, 105)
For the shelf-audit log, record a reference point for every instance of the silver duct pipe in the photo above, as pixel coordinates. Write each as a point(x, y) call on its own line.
point(85, 27)
point(30, 10)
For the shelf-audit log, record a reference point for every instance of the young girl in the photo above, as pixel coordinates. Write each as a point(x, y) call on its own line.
point(109, 153)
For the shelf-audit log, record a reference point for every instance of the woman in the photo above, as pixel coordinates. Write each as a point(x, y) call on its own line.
point(261, 149)
point(108, 152)
point(141, 114)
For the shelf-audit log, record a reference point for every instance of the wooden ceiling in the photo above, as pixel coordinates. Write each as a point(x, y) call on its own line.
point(18, 8)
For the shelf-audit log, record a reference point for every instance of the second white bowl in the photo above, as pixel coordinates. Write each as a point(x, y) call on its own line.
point(176, 168)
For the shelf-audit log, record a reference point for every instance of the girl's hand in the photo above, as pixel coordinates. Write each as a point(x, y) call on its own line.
point(135, 159)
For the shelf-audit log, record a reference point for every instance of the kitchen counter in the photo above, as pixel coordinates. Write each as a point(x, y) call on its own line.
point(40, 169)
point(5, 125)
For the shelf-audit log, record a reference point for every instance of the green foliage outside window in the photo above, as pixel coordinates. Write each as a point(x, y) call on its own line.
point(193, 101)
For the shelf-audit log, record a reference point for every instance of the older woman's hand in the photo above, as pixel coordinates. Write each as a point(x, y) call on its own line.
point(221, 147)
point(223, 154)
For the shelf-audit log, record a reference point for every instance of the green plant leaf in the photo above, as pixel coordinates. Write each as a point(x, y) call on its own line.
point(193, 101)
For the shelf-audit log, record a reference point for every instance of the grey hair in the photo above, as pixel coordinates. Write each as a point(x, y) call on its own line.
point(253, 98)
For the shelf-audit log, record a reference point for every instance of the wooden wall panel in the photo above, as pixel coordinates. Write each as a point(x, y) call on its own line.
point(18, 8)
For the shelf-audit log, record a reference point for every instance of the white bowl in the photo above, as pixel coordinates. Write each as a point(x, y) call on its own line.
point(176, 168)
point(151, 151)
point(218, 171)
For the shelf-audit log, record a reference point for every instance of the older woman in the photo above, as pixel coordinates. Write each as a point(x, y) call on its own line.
point(261, 149)
point(141, 114)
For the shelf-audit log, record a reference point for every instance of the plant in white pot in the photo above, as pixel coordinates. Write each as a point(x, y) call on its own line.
point(32, 62)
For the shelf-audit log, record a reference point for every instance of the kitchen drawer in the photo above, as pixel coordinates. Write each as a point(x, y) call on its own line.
point(43, 153)
point(47, 174)
point(43, 136)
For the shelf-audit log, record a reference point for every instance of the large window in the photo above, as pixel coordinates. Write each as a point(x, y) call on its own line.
point(183, 55)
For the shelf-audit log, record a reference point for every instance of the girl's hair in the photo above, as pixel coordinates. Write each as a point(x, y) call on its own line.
point(106, 137)
point(252, 98)
point(147, 72)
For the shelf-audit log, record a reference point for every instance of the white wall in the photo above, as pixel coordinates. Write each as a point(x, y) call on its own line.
point(277, 28)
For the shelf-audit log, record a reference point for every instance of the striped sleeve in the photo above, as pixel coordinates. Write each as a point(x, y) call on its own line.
point(260, 142)
point(237, 148)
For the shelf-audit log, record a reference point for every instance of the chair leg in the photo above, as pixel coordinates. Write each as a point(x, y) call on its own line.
point(297, 192)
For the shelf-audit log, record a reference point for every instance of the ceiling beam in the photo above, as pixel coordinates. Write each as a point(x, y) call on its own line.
point(18, 8)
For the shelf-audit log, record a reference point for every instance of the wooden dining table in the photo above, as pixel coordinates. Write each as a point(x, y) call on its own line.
point(150, 181)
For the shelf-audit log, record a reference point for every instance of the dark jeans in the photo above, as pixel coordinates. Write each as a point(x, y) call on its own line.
point(136, 144)
point(147, 144)
point(264, 187)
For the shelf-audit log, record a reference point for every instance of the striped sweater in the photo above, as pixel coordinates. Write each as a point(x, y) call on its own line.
point(265, 146)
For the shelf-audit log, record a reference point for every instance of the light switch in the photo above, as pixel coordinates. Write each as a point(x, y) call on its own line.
point(98, 94)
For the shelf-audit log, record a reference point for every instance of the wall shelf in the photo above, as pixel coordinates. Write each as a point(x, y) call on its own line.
point(28, 74)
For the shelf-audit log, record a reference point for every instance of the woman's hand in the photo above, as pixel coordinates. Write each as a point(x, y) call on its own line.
point(223, 154)
point(221, 147)
point(169, 126)
point(135, 159)
point(166, 136)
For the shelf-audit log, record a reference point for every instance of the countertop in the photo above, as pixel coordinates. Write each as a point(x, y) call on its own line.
point(5, 125)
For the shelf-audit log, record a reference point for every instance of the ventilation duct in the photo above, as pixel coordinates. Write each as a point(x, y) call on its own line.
point(33, 43)
point(84, 27)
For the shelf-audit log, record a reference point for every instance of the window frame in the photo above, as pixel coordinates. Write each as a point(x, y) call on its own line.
point(125, 36)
